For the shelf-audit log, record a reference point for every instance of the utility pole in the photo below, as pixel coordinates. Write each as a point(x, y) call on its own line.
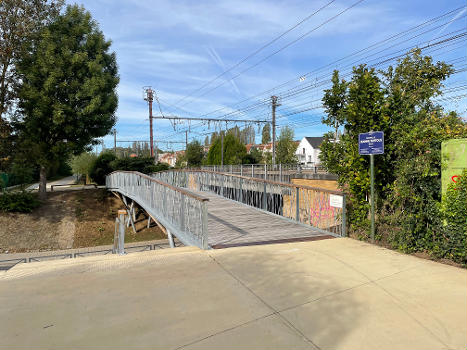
point(149, 96)
point(115, 140)
point(222, 147)
point(274, 105)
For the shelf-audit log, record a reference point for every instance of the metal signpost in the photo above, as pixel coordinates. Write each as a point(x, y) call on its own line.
point(371, 143)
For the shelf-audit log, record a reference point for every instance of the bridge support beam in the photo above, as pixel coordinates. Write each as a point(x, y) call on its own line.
point(171, 239)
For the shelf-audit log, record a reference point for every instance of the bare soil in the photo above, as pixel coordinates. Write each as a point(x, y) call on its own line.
point(71, 219)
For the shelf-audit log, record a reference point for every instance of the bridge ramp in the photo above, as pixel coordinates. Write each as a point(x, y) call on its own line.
point(233, 224)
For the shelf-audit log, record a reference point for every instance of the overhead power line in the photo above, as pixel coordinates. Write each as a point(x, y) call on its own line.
point(254, 53)
point(281, 49)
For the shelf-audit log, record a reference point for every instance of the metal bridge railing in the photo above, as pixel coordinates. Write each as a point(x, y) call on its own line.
point(278, 172)
point(321, 208)
point(183, 213)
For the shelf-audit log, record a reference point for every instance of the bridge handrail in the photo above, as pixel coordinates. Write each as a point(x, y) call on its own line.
point(336, 192)
point(310, 205)
point(181, 212)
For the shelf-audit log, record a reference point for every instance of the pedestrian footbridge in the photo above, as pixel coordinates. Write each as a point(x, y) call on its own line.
point(210, 209)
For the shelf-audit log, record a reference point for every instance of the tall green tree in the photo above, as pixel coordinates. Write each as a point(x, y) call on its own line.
point(334, 101)
point(68, 95)
point(266, 134)
point(194, 154)
point(398, 101)
point(20, 23)
point(286, 147)
point(234, 151)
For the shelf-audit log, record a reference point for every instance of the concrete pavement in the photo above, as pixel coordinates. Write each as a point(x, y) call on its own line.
point(330, 294)
point(69, 180)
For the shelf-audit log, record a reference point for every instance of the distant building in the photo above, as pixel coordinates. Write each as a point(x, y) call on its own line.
point(170, 158)
point(308, 151)
point(263, 148)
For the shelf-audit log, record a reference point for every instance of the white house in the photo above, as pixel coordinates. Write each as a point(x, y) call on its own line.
point(308, 151)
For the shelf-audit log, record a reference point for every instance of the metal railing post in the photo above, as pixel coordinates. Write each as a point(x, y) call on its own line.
point(204, 225)
point(121, 231)
point(344, 233)
point(264, 197)
point(280, 172)
point(297, 204)
point(252, 170)
point(265, 170)
point(241, 169)
point(241, 191)
point(182, 213)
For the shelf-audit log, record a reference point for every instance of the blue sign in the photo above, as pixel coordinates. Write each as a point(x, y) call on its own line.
point(371, 143)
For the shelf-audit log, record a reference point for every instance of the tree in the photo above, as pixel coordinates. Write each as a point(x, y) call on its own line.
point(286, 147)
point(101, 167)
point(206, 141)
point(266, 134)
point(334, 101)
point(20, 22)
point(399, 102)
point(82, 164)
point(234, 151)
point(194, 153)
point(68, 93)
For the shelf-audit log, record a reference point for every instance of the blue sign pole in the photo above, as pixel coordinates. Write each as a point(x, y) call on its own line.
point(371, 143)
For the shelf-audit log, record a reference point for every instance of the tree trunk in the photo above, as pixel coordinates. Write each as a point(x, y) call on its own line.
point(42, 183)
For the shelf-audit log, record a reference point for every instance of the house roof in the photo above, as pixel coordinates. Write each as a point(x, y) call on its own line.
point(315, 141)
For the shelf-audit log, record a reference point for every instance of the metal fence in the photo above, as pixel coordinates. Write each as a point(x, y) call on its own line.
point(278, 172)
point(318, 207)
point(181, 212)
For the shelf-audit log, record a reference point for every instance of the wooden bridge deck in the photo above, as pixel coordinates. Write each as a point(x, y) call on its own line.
point(233, 224)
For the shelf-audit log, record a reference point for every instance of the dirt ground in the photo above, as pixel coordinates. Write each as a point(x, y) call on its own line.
point(71, 219)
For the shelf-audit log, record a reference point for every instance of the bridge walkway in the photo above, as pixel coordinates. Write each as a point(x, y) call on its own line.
point(231, 223)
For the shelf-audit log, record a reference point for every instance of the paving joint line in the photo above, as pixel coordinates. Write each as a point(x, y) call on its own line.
point(275, 312)
point(396, 300)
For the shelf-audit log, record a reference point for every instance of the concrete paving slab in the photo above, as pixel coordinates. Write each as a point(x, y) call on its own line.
point(287, 275)
point(338, 294)
point(165, 302)
point(371, 261)
point(373, 321)
point(434, 294)
point(267, 333)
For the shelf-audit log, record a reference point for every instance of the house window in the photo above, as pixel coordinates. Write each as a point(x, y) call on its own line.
point(303, 150)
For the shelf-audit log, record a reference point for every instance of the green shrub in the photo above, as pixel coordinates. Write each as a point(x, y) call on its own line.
point(101, 167)
point(452, 231)
point(142, 164)
point(23, 202)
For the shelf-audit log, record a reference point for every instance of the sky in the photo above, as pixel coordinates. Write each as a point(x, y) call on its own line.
point(178, 47)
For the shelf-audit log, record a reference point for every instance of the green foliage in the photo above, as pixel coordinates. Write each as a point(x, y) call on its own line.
point(82, 163)
point(154, 168)
point(234, 151)
point(68, 93)
point(254, 157)
point(181, 161)
point(286, 147)
point(407, 177)
point(266, 134)
point(194, 154)
point(22, 173)
point(450, 241)
point(22, 202)
point(20, 23)
point(107, 163)
point(102, 167)
point(334, 101)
